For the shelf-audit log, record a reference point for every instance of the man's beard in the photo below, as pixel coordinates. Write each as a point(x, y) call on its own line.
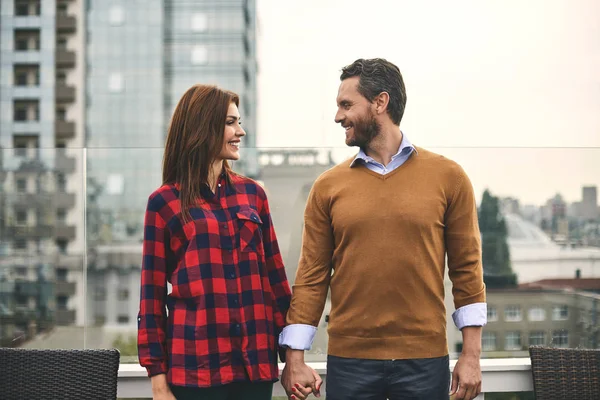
point(365, 130)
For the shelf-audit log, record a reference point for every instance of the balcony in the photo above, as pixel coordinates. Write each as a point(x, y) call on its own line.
point(499, 375)
point(66, 24)
point(64, 200)
point(65, 58)
point(64, 317)
point(27, 288)
point(64, 129)
point(64, 163)
point(65, 288)
point(63, 231)
point(30, 231)
point(64, 93)
point(72, 262)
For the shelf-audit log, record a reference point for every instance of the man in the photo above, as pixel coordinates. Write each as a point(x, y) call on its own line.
point(377, 229)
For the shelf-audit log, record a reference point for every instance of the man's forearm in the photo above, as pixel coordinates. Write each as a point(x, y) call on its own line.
point(471, 340)
point(294, 356)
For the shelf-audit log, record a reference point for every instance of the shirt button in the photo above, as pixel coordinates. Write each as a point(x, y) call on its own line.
point(219, 185)
point(224, 226)
point(232, 275)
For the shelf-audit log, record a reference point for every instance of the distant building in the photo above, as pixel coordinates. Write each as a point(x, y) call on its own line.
point(572, 284)
point(41, 205)
point(510, 205)
point(589, 203)
point(535, 256)
point(523, 317)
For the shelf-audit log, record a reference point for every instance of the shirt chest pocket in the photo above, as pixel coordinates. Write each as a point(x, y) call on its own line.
point(249, 230)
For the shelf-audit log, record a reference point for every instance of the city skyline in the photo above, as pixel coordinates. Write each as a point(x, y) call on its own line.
point(470, 82)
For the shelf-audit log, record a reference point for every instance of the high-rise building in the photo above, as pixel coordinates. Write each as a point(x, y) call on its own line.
point(589, 203)
point(142, 55)
point(41, 207)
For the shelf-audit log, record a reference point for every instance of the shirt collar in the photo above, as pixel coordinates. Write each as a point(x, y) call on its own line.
point(406, 147)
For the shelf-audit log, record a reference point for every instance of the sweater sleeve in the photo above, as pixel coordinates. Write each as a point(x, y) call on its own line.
point(463, 244)
point(309, 292)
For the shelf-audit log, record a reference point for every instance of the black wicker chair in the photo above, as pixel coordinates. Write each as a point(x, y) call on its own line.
point(560, 374)
point(58, 374)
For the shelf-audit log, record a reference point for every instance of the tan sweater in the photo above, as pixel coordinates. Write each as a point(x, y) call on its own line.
point(379, 242)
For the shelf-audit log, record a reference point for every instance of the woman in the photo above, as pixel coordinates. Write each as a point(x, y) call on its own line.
point(208, 232)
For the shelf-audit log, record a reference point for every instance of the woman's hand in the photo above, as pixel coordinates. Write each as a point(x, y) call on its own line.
point(160, 388)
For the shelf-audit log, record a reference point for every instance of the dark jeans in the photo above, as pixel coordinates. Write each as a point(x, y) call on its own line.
point(232, 391)
point(360, 379)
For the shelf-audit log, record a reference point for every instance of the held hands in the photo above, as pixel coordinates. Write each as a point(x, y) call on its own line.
point(299, 380)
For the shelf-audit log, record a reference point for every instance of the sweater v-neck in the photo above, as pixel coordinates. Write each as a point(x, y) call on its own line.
point(384, 177)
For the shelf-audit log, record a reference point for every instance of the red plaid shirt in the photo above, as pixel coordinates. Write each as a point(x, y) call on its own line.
point(229, 292)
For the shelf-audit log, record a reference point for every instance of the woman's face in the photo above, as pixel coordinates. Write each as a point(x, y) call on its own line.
point(233, 134)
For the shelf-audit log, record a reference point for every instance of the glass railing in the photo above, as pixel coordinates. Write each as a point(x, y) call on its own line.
point(71, 225)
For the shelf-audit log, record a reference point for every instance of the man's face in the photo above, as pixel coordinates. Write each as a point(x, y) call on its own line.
point(355, 114)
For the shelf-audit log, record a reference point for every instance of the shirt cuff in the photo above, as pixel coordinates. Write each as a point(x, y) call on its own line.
point(157, 369)
point(298, 336)
point(470, 315)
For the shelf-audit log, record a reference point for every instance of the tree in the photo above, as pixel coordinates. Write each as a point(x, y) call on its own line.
point(127, 346)
point(497, 269)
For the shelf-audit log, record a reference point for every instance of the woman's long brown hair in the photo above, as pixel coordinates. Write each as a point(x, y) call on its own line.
point(195, 139)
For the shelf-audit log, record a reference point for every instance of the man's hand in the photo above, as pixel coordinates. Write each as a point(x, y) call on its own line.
point(466, 378)
point(297, 378)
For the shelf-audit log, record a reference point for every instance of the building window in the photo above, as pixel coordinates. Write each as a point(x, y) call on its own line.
point(123, 294)
point(560, 338)
point(27, 40)
point(21, 272)
point(61, 43)
point(26, 110)
point(61, 113)
point(537, 338)
point(21, 217)
point(26, 75)
point(115, 82)
point(123, 319)
point(61, 244)
point(116, 15)
point(199, 22)
point(513, 341)
point(20, 244)
point(492, 314)
point(61, 78)
point(99, 320)
point(62, 9)
point(61, 302)
point(199, 55)
point(24, 8)
point(560, 313)
point(20, 149)
point(61, 182)
point(99, 294)
point(21, 185)
point(536, 314)
point(61, 274)
point(512, 314)
point(22, 143)
point(488, 341)
point(61, 216)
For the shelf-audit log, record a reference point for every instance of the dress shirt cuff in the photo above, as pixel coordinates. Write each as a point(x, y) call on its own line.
point(297, 336)
point(470, 315)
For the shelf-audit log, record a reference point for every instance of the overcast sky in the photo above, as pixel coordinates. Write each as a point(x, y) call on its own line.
point(492, 73)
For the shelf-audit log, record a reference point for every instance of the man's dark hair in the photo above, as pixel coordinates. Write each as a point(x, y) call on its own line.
point(378, 75)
